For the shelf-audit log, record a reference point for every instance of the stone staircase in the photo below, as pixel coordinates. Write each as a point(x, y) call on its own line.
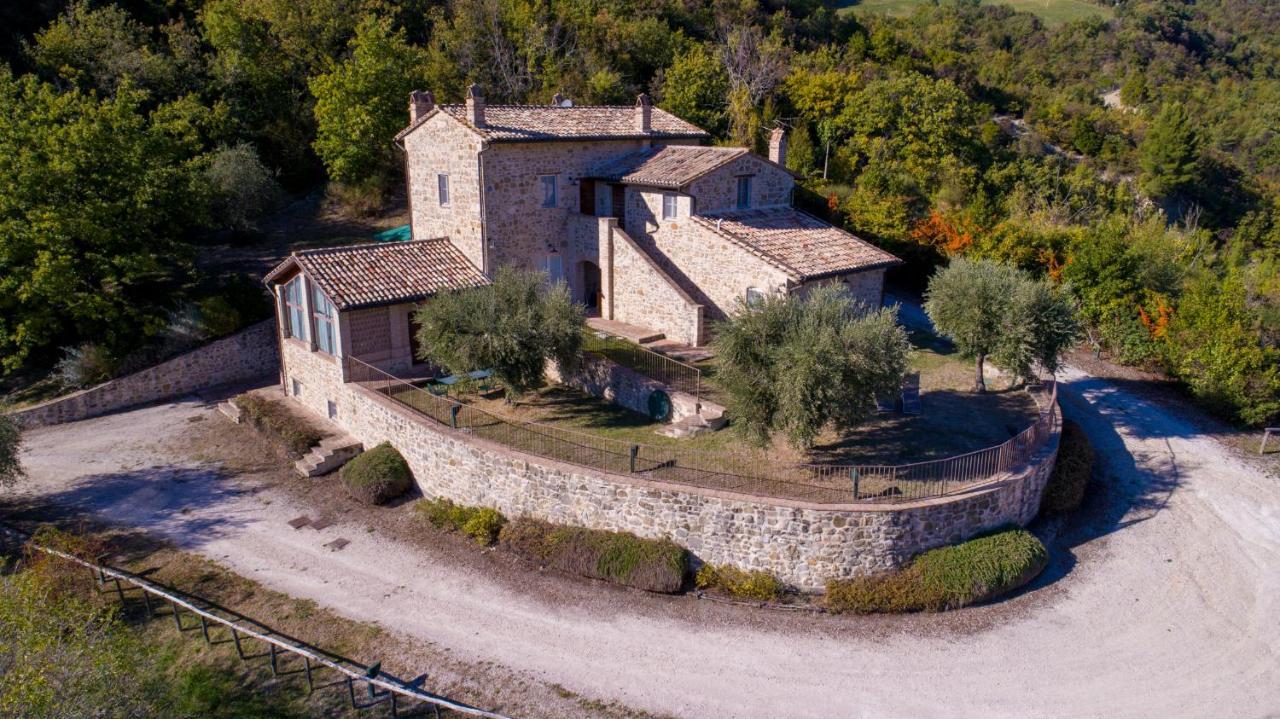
point(329, 455)
point(710, 418)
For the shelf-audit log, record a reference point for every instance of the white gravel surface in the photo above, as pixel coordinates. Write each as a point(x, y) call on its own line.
point(1164, 604)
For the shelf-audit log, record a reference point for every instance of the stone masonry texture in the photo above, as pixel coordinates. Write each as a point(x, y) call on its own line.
point(803, 544)
point(248, 354)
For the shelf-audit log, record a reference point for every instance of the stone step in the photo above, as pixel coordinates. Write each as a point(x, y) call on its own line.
point(329, 455)
point(232, 412)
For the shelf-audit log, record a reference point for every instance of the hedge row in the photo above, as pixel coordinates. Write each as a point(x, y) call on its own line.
point(378, 475)
point(269, 417)
point(655, 565)
point(480, 523)
point(947, 577)
point(1065, 489)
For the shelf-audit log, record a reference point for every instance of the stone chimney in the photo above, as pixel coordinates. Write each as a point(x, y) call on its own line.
point(778, 146)
point(420, 103)
point(644, 112)
point(475, 105)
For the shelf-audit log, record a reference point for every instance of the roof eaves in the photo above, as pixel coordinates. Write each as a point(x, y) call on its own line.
point(399, 137)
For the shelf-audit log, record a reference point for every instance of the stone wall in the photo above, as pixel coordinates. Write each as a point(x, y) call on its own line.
point(625, 387)
point(443, 145)
point(865, 287)
point(714, 270)
point(803, 544)
point(717, 191)
point(641, 293)
point(519, 229)
point(249, 354)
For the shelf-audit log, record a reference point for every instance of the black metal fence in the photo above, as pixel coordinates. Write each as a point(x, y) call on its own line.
point(747, 473)
point(673, 373)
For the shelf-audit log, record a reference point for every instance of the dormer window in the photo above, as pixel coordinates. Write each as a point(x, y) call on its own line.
point(669, 208)
point(744, 192)
point(549, 194)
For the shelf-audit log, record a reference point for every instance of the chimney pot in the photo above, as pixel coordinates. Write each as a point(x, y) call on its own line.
point(475, 105)
point(644, 112)
point(778, 146)
point(420, 103)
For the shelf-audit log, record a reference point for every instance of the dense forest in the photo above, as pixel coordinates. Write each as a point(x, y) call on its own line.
point(1136, 158)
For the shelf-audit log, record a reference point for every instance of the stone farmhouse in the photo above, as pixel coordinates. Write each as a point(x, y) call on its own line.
point(647, 224)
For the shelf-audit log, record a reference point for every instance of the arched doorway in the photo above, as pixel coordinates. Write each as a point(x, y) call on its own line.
point(590, 273)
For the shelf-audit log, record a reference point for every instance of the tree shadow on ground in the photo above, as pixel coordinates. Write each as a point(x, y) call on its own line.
point(1126, 488)
point(179, 504)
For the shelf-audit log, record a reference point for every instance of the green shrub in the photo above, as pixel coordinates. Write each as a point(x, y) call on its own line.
point(655, 565)
point(1065, 489)
point(480, 523)
point(274, 420)
point(740, 583)
point(86, 365)
point(947, 577)
point(378, 475)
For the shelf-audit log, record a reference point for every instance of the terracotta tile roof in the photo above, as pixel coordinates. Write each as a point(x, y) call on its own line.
point(799, 244)
point(673, 166)
point(552, 122)
point(383, 273)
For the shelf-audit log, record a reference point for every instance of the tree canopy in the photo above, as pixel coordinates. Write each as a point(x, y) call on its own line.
point(511, 327)
point(795, 365)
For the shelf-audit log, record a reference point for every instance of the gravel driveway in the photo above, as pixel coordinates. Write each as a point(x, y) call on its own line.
point(1161, 602)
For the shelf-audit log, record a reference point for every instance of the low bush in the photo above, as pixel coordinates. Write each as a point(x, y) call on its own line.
point(378, 475)
point(947, 577)
point(273, 420)
point(86, 365)
point(740, 583)
point(480, 523)
point(655, 565)
point(1065, 489)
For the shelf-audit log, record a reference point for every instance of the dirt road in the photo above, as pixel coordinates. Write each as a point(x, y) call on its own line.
point(1161, 602)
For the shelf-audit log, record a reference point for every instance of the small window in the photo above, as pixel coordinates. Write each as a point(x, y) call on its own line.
point(296, 386)
point(744, 193)
point(549, 198)
point(442, 182)
point(324, 314)
point(669, 210)
point(332, 407)
point(553, 265)
point(295, 314)
point(755, 297)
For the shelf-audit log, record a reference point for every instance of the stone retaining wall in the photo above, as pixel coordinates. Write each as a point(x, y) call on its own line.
point(804, 544)
point(248, 354)
point(623, 386)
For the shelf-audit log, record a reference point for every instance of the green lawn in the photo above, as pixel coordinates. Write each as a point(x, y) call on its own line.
point(1052, 12)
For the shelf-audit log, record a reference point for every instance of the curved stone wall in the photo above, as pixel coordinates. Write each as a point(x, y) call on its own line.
point(803, 544)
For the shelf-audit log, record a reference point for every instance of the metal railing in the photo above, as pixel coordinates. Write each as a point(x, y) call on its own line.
point(746, 472)
point(380, 688)
point(673, 373)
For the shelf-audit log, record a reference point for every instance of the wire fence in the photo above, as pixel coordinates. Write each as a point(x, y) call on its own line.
point(377, 688)
point(673, 373)
point(737, 472)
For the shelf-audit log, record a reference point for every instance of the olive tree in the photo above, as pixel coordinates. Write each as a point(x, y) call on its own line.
point(798, 364)
point(989, 309)
point(511, 327)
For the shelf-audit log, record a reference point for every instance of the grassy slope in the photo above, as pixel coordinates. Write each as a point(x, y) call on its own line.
point(1052, 12)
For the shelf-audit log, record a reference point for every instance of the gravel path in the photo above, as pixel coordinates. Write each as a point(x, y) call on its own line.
point(1162, 600)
